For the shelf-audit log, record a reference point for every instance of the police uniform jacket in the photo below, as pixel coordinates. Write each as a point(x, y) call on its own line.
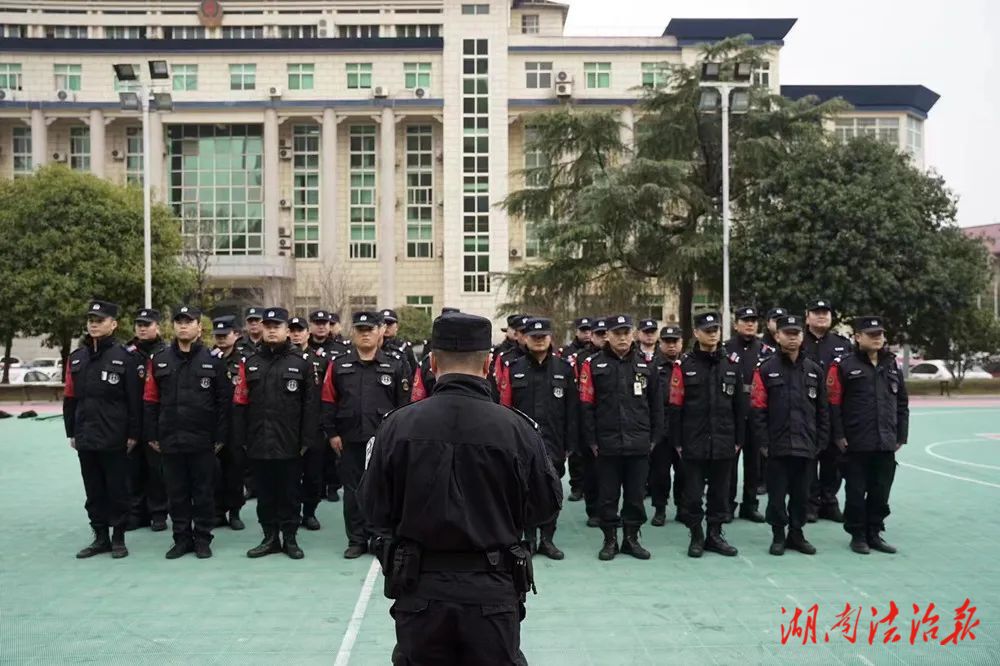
point(423, 380)
point(276, 404)
point(790, 411)
point(358, 394)
point(547, 393)
point(102, 398)
point(705, 404)
point(869, 405)
point(748, 353)
point(826, 349)
point(187, 399)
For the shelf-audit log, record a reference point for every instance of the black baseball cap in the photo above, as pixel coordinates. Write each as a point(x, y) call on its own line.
point(389, 316)
point(538, 326)
point(365, 318)
point(511, 320)
point(706, 320)
point(320, 316)
point(187, 312)
point(147, 316)
point(648, 325)
point(869, 324)
point(600, 325)
point(102, 309)
point(790, 323)
point(253, 312)
point(820, 304)
point(223, 325)
point(583, 323)
point(671, 332)
point(618, 322)
point(298, 323)
point(747, 312)
point(276, 314)
point(774, 313)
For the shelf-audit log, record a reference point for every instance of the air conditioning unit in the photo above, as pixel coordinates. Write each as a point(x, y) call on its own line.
point(563, 76)
point(274, 91)
point(285, 143)
point(58, 157)
point(64, 95)
point(419, 93)
point(379, 92)
point(284, 244)
point(285, 203)
point(564, 89)
point(117, 155)
point(285, 153)
point(7, 95)
point(283, 232)
point(514, 253)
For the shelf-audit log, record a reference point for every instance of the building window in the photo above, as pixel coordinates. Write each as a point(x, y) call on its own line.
point(133, 156)
point(12, 30)
point(243, 32)
point(301, 76)
point(361, 212)
point(10, 76)
point(882, 129)
point(68, 77)
point(598, 74)
point(21, 150)
point(529, 24)
point(184, 32)
point(419, 191)
point(359, 75)
point(914, 136)
point(125, 32)
point(363, 302)
point(762, 75)
point(297, 32)
point(650, 307)
point(185, 77)
point(425, 303)
point(416, 75)
point(421, 30)
point(538, 74)
point(216, 187)
point(242, 77)
point(128, 86)
point(358, 31)
point(475, 167)
point(305, 192)
point(79, 148)
point(478, 9)
point(66, 32)
point(655, 74)
point(535, 166)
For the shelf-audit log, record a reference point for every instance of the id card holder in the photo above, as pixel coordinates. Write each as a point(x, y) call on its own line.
point(636, 388)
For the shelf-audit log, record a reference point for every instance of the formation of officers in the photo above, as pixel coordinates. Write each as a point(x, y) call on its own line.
point(288, 410)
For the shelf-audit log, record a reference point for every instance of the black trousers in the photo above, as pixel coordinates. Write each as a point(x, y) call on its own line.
point(105, 481)
point(714, 473)
point(331, 470)
point(618, 476)
point(575, 472)
point(147, 488)
point(825, 476)
point(352, 466)
point(548, 530)
point(277, 484)
point(661, 460)
point(787, 477)
point(750, 453)
point(868, 479)
point(190, 479)
point(444, 633)
point(591, 485)
point(313, 487)
point(229, 475)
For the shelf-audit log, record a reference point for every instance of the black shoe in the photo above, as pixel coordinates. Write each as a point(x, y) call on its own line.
point(717, 543)
point(575, 495)
point(593, 521)
point(875, 542)
point(158, 524)
point(268, 546)
point(659, 518)
point(118, 549)
point(179, 549)
point(310, 523)
point(751, 513)
point(811, 516)
point(610, 547)
point(697, 546)
point(202, 550)
point(133, 523)
point(777, 540)
point(631, 545)
point(831, 512)
point(234, 521)
point(291, 546)
point(355, 550)
point(331, 495)
point(100, 544)
point(728, 519)
point(859, 545)
point(549, 550)
point(797, 541)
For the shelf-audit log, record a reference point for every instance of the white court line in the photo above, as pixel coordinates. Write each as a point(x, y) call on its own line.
point(865, 659)
point(950, 476)
point(354, 626)
point(929, 449)
point(945, 411)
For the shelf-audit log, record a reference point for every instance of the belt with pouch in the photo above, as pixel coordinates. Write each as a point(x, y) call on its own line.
point(494, 561)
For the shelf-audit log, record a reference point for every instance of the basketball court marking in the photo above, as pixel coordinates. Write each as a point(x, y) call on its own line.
point(358, 616)
point(980, 437)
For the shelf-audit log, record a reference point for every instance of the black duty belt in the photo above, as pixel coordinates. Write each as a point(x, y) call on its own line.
point(470, 562)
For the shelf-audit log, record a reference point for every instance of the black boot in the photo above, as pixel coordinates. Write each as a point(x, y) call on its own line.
point(750, 512)
point(268, 546)
point(859, 544)
point(100, 544)
point(610, 547)
point(331, 494)
point(777, 540)
point(797, 541)
point(697, 546)
point(812, 514)
point(575, 495)
point(290, 545)
point(717, 543)
point(875, 542)
point(593, 521)
point(182, 546)
point(234, 520)
point(309, 518)
point(118, 549)
point(545, 545)
point(659, 517)
point(355, 550)
point(831, 512)
point(158, 524)
point(631, 545)
point(202, 549)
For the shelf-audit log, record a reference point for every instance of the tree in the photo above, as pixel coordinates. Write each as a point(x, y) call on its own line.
point(973, 335)
point(414, 324)
point(70, 237)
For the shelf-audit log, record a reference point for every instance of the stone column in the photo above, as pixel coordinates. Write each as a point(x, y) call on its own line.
point(98, 149)
point(272, 193)
point(387, 210)
point(328, 233)
point(39, 139)
point(628, 128)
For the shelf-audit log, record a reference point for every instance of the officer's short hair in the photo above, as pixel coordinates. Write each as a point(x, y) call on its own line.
point(449, 361)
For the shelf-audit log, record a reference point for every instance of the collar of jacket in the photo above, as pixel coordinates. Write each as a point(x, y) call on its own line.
point(533, 361)
point(267, 351)
point(785, 358)
point(882, 355)
point(712, 357)
point(103, 345)
point(460, 384)
point(195, 348)
point(611, 352)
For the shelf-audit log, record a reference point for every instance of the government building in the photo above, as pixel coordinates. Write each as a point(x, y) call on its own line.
point(350, 153)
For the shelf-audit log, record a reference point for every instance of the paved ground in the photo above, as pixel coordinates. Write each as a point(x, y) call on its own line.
point(144, 609)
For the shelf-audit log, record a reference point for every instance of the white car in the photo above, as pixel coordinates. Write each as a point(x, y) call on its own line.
point(937, 370)
point(46, 363)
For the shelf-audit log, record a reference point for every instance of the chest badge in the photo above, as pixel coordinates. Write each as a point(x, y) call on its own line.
point(729, 389)
point(557, 391)
point(812, 392)
point(386, 380)
point(292, 385)
point(114, 378)
point(206, 382)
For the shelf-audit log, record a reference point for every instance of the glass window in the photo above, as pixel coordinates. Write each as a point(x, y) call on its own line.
point(364, 302)
point(125, 32)
point(12, 30)
point(297, 31)
point(66, 32)
point(882, 129)
point(243, 32)
point(301, 76)
point(358, 31)
point(419, 192)
point(535, 166)
point(417, 75)
point(305, 190)
point(242, 77)
point(475, 9)
point(598, 74)
point(538, 74)
point(529, 24)
point(762, 75)
point(68, 77)
point(361, 207)
point(21, 150)
point(133, 156)
point(655, 74)
point(421, 30)
point(425, 303)
point(184, 32)
point(914, 136)
point(185, 77)
point(79, 148)
point(475, 167)
point(359, 75)
point(10, 76)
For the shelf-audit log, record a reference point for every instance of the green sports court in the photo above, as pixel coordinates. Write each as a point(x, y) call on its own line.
point(144, 609)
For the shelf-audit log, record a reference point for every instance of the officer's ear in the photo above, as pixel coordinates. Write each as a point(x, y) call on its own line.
point(434, 364)
point(486, 366)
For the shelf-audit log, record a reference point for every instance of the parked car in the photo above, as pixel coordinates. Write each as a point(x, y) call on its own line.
point(937, 370)
point(48, 363)
point(37, 376)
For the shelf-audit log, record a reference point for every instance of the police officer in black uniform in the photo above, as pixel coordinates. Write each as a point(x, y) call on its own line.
point(583, 326)
point(229, 496)
point(391, 342)
point(622, 419)
point(455, 564)
point(359, 389)
point(509, 355)
point(253, 335)
point(706, 406)
point(791, 424)
point(824, 346)
point(314, 458)
point(276, 418)
point(187, 406)
point(510, 334)
point(590, 486)
point(581, 340)
point(646, 339)
point(146, 486)
point(870, 418)
point(327, 344)
point(746, 346)
point(664, 456)
point(769, 345)
point(102, 413)
point(541, 385)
